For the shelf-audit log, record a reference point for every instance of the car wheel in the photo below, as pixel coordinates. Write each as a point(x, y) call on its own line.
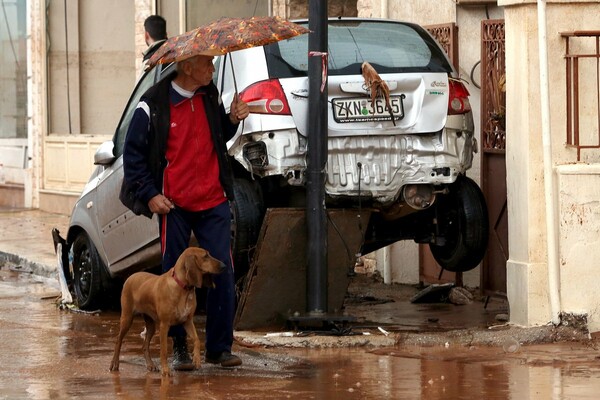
point(87, 268)
point(463, 222)
point(247, 214)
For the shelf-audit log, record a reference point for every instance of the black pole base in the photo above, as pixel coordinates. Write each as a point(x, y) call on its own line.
point(322, 323)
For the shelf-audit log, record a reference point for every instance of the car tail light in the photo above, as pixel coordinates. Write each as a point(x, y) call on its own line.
point(458, 103)
point(266, 97)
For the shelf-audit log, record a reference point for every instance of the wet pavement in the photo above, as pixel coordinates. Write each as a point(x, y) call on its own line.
point(396, 349)
point(49, 353)
point(26, 244)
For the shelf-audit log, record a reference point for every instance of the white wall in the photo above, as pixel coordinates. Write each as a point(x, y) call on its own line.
point(576, 184)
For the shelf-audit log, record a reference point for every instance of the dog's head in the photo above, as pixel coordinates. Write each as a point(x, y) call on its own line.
point(199, 266)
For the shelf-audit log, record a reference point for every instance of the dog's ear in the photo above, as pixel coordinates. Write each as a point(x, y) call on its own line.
point(187, 264)
point(193, 274)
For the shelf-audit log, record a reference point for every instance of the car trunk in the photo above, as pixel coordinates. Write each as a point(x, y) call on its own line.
point(420, 105)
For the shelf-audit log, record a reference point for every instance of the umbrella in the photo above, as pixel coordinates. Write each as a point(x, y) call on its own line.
point(224, 36)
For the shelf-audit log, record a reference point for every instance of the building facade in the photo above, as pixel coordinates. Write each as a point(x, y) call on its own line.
point(68, 67)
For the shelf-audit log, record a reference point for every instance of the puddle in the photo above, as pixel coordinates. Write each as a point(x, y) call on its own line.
point(52, 354)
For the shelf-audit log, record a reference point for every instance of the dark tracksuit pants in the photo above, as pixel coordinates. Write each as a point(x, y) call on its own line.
point(212, 229)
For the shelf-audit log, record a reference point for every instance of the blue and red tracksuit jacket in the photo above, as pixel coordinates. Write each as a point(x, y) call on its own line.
point(189, 171)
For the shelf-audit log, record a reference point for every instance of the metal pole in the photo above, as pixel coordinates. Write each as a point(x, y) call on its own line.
point(316, 218)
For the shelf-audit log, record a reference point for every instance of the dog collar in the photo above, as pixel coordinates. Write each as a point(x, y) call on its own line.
point(181, 284)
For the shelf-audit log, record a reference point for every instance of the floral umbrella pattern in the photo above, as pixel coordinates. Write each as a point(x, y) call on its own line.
point(224, 36)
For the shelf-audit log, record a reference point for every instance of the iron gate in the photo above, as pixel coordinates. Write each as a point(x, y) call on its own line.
point(493, 157)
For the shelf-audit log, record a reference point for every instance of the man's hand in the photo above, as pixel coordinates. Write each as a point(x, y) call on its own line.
point(159, 204)
point(239, 110)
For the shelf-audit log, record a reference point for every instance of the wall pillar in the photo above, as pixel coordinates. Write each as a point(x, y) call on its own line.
point(527, 269)
point(37, 84)
point(143, 9)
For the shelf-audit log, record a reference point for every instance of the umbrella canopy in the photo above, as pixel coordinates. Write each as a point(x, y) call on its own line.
point(224, 36)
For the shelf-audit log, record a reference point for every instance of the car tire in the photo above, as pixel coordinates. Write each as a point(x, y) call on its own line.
point(463, 221)
point(247, 214)
point(87, 270)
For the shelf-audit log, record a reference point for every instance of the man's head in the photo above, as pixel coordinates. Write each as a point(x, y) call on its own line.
point(155, 28)
point(195, 72)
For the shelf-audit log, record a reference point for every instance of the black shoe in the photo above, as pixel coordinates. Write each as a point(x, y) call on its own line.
point(226, 359)
point(181, 358)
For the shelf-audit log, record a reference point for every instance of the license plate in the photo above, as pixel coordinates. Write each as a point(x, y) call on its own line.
point(360, 109)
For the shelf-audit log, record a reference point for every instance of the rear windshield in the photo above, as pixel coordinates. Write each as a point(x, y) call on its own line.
point(387, 46)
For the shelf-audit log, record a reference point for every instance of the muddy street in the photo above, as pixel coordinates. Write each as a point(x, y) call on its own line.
point(48, 353)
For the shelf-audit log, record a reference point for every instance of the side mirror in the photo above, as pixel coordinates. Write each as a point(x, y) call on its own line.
point(104, 155)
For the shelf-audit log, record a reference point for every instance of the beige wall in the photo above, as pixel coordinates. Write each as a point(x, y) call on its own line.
point(103, 52)
point(576, 184)
point(293, 9)
point(101, 65)
point(105, 43)
point(579, 240)
point(206, 11)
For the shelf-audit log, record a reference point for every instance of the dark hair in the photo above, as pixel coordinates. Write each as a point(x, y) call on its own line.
point(156, 26)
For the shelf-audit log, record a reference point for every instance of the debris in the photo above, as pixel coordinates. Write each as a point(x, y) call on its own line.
point(73, 308)
point(386, 333)
point(62, 280)
point(501, 326)
point(377, 87)
point(511, 345)
point(279, 334)
point(460, 296)
point(501, 317)
point(436, 293)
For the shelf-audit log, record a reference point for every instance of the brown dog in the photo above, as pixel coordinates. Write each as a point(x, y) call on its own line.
point(167, 299)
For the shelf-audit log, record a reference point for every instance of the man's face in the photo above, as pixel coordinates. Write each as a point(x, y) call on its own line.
point(200, 69)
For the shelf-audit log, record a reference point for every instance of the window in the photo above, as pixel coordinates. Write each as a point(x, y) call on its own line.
point(144, 84)
point(389, 47)
point(13, 70)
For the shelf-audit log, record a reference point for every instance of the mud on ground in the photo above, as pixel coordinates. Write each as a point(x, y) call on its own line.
point(384, 316)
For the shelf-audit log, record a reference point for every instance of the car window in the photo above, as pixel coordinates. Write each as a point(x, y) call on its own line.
point(388, 46)
point(144, 84)
point(217, 64)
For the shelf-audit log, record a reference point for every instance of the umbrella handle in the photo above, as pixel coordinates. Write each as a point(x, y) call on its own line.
point(233, 74)
point(235, 85)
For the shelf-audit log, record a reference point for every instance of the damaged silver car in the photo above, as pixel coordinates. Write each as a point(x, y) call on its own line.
point(405, 156)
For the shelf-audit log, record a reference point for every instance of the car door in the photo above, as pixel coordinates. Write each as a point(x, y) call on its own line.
point(123, 234)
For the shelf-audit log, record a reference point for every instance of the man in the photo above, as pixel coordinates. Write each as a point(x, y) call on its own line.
point(155, 34)
point(175, 159)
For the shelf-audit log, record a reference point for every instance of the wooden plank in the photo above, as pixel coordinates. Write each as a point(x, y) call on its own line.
point(275, 287)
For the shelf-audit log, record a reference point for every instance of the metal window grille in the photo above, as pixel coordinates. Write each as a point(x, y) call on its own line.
point(493, 86)
point(580, 104)
point(447, 36)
